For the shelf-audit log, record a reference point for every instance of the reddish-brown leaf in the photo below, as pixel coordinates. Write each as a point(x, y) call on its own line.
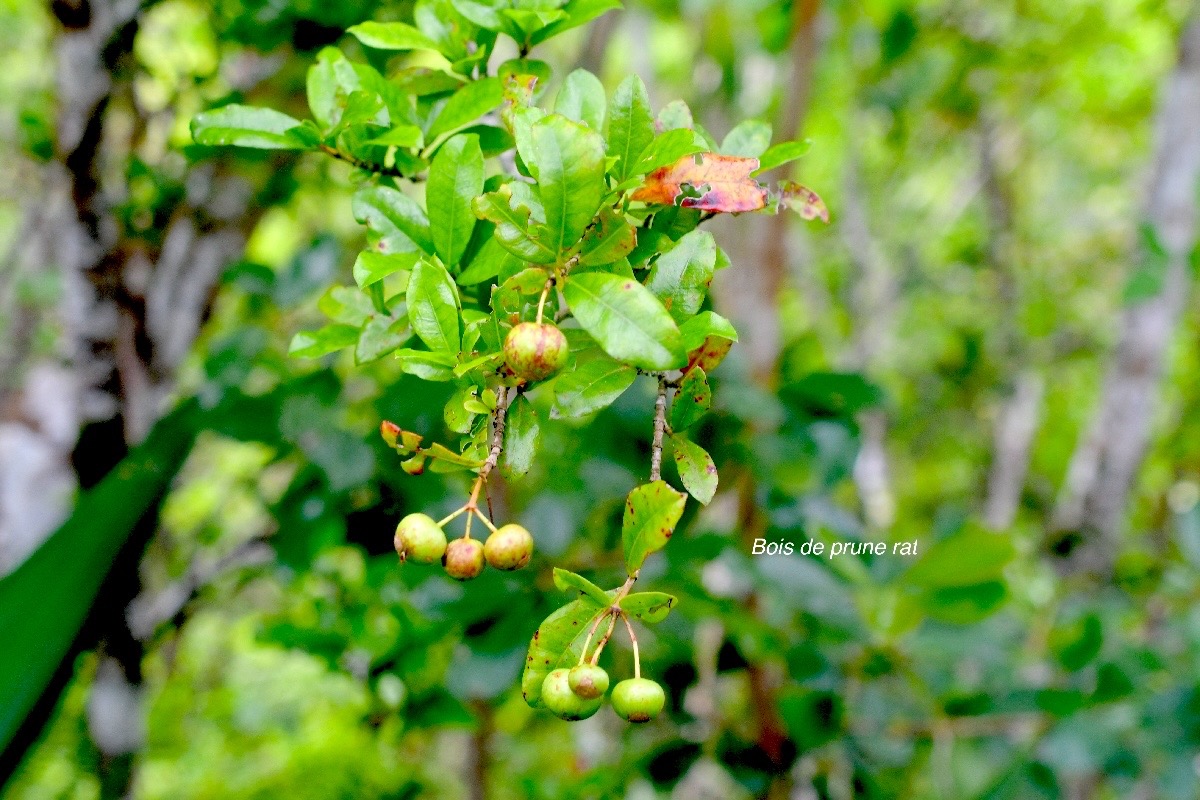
point(804, 201)
point(708, 181)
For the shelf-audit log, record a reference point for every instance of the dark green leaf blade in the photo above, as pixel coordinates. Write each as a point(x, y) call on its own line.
point(626, 319)
point(630, 126)
point(520, 437)
point(681, 276)
point(455, 180)
point(433, 306)
point(591, 386)
point(692, 400)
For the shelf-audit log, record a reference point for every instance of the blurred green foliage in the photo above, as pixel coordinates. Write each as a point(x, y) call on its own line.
point(975, 672)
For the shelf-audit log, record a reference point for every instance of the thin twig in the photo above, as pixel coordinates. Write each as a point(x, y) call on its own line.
point(498, 420)
point(378, 169)
point(660, 427)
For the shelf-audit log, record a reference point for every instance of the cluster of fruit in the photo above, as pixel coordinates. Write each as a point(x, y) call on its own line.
point(419, 538)
point(577, 693)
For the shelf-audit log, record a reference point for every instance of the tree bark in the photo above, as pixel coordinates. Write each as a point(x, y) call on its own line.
point(1092, 508)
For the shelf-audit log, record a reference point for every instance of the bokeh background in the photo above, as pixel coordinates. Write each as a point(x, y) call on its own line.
point(991, 350)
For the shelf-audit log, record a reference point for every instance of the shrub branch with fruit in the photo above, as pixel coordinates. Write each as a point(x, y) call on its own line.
point(557, 253)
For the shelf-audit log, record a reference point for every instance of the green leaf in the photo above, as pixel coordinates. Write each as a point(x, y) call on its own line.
point(433, 306)
point(575, 13)
point(426, 365)
point(397, 222)
point(704, 325)
point(466, 105)
point(400, 136)
point(666, 150)
point(391, 36)
point(371, 266)
point(782, 153)
point(681, 276)
point(630, 126)
point(489, 262)
point(455, 179)
point(380, 336)
point(330, 82)
point(675, 115)
point(648, 607)
point(567, 161)
point(969, 557)
point(567, 581)
point(750, 139)
point(558, 641)
point(520, 437)
point(610, 239)
point(514, 228)
point(582, 99)
point(248, 126)
point(626, 319)
point(651, 513)
point(591, 386)
point(696, 469)
point(323, 341)
point(692, 400)
point(346, 305)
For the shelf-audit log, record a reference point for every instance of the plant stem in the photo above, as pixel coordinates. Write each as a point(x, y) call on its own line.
point(542, 300)
point(595, 625)
point(378, 169)
point(637, 659)
point(660, 427)
point(612, 625)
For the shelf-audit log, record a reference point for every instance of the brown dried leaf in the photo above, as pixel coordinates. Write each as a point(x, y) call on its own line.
point(804, 201)
point(709, 181)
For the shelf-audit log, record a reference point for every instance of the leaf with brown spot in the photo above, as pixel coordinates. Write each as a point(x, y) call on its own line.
point(557, 642)
point(708, 182)
point(648, 607)
point(692, 401)
point(696, 469)
point(651, 513)
point(804, 201)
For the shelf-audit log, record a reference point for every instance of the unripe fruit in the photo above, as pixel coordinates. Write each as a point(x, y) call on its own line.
point(463, 559)
point(418, 538)
point(564, 703)
point(588, 681)
point(535, 352)
point(638, 699)
point(510, 547)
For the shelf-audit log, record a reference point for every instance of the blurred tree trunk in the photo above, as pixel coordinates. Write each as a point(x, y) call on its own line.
point(1020, 408)
point(872, 304)
point(758, 246)
point(1093, 506)
point(131, 306)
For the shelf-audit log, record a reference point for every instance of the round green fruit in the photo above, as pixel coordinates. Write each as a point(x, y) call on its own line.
point(564, 703)
point(463, 559)
point(588, 681)
point(535, 352)
point(418, 538)
point(638, 699)
point(510, 547)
